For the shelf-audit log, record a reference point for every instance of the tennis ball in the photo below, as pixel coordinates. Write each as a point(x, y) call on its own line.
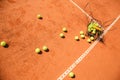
point(94, 31)
point(71, 75)
point(88, 40)
point(89, 30)
point(39, 16)
point(45, 48)
point(3, 43)
point(81, 32)
point(76, 38)
point(92, 38)
point(64, 29)
point(37, 50)
point(82, 36)
point(62, 35)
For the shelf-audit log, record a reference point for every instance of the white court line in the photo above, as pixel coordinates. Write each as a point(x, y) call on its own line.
point(83, 11)
point(61, 77)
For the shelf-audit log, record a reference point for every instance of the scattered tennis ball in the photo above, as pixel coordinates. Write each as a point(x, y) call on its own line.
point(62, 35)
point(88, 40)
point(81, 33)
point(39, 16)
point(92, 38)
point(76, 38)
point(45, 48)
point(64, 29)
point(71, 75)
point(3, 43)
point(37, 50)
point(82, 36)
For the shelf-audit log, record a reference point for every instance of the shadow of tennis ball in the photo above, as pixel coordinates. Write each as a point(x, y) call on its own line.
point(102, 40)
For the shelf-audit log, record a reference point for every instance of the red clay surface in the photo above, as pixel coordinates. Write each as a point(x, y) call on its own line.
point(20, 28)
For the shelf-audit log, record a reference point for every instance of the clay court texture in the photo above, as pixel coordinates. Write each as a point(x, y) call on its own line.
point(24, 32)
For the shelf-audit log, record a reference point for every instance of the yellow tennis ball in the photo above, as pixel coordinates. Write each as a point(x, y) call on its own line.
point(39, 16)
point(61, 35)
point(81, 33)
point(82, 36)
point(3, 43)
point(76, 38)
point(45, 48)
point(94, 31)
point(88, 40)
point(64, 29)
point(37, 50)
point(92, 38)
point(71, 75)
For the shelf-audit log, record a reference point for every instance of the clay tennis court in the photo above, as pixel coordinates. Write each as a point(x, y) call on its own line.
point(23, 32)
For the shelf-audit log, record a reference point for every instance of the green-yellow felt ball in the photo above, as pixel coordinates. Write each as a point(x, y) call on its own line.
point(82, 36)
point(76, 38)
point(37, 50)
point(64, 29)
point(89, 30)
point(39, 16)
point(88, 40)
point(94, 31)
point(71, 75)
point(61, 35)
point(92, 38)
point(3, 43)
point(81, 33)
point(45, 48)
